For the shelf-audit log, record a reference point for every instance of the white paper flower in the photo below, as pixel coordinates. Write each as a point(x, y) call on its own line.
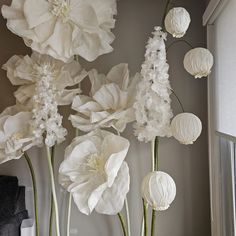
point(177, 21)
point(63, 28)
point(152, 107)
point(110, 103)
point(158, 190)
point(186, 128)
point(28, 72)
point(95, 173)
point(44, 83)
point(16, 135)
point(198, 62)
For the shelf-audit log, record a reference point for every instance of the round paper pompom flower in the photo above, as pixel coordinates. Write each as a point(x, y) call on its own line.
point(177, 22)
point(158, 190)
point(186, 128)
point(198, 62)
point(63, 28)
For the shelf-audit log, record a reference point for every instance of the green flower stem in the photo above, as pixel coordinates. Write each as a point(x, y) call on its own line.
point(145, 209)
point(122, 222)
point(165, 13)
point(33, 177)
point(180, 103)
point(155, 167)
point(153, 222)
point(68, 214)
point(53, 191)
point(52, 204)
point(180, 41)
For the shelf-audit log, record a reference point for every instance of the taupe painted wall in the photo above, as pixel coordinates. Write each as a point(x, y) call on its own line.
point(190, 213)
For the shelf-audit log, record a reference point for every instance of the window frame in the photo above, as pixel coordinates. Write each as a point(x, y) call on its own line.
point(212, 12)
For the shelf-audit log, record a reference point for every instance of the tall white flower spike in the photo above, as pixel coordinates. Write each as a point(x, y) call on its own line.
point(158, 190)
point(198, 62)
point(153, 104)
point(177, 22)
point(186, 128)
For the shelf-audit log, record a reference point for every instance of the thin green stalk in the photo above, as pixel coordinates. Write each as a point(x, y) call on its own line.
point(122, 222)
point(33, 177)
point(153, 222)
point(145, 218)
point(52, 204)
point(165, 13)
point(180, 103)
point(68, 214)
point(156, 152)
point(155, 160)
point(180, 41)
point(53, 191)
point(127, 216)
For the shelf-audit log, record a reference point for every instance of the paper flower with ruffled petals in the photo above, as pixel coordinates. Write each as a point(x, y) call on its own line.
point(28, 72)
point(95, 173)
point(110, 103)
point(45, 84)
point(16, 135)
point(63, 28)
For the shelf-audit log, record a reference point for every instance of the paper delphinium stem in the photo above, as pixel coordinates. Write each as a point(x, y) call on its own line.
point(52, 204)
point(53, 191)
point(35, 192)
point(155, 157)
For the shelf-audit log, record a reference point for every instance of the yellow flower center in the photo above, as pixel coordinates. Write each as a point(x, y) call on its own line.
point(17, 136)
point(96, 163)
point(61, 9)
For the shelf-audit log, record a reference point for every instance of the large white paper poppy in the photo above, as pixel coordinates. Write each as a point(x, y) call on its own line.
point(28, 72)
point(95, 173)
point(63, 28)
point(110, 103)
point(15, 133)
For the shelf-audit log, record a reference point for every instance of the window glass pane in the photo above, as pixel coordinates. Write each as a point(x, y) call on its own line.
point(227, 173)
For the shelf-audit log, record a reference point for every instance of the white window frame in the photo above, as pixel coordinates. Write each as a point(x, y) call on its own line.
point(213, 11)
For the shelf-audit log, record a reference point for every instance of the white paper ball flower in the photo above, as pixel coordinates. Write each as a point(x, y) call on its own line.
point(158, 190)
point(198, 62)
point(110, 103)
point(177, 21)
point(16, 135)
point(95, 173)
point(63, 28)
point(186, 128)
